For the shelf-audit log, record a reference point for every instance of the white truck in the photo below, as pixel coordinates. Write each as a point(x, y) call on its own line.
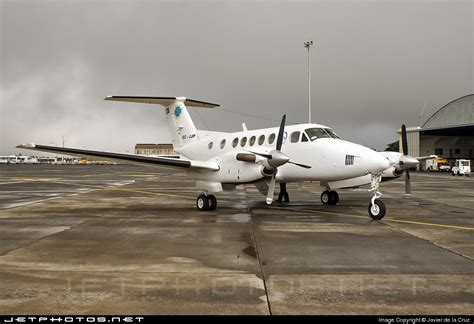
point(462, 167)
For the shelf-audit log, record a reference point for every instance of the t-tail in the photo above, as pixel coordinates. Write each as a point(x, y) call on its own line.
point(181, 127)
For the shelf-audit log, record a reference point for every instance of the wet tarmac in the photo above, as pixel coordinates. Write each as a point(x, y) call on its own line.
point(129, 240)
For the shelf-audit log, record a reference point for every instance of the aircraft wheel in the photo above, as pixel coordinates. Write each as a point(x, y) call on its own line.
point(325, 198)
point(202, 203)
point(377, 211)
point(212, 202)
point(333, 197)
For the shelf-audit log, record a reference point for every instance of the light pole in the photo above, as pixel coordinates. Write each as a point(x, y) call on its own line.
point(308, 45)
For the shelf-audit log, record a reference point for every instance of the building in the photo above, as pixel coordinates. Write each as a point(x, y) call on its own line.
point(448, 133)
point(155, 149)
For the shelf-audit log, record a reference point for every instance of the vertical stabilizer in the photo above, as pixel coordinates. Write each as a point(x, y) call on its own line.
point(180, 124)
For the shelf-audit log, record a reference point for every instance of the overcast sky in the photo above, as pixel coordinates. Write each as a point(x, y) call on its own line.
point(374, 64)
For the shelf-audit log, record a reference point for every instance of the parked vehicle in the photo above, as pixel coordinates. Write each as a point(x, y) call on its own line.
point(439, 164)
point(444, 167)
point(462, 167)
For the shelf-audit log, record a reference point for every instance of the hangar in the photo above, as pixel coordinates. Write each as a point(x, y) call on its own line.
point(448, 133)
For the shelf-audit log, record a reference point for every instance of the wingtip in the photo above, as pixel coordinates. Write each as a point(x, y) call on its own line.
point(108, 97)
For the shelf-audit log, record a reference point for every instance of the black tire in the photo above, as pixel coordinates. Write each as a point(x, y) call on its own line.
point(202, 203)
point(325, 198)
point(333, 197)
point(453, 173)
point(212, 202)
point(379, 212)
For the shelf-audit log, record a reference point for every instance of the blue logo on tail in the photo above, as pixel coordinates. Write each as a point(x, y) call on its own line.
point(177, 111)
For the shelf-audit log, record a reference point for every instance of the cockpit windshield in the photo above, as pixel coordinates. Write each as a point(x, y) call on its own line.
point(315, 133)
point(331, 132)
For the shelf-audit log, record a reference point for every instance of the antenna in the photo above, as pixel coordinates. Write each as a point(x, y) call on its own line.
point(308, 45)
point(421, 113)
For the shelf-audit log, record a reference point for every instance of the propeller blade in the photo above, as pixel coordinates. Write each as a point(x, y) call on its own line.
point(300, 165)
point(407, 183)
point(267, 156)
point(271, 190)
point(280, 133)
point(404, 140)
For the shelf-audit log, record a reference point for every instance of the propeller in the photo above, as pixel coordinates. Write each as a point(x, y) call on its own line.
point(276, 158)
point(405, 152)
point(406, 162)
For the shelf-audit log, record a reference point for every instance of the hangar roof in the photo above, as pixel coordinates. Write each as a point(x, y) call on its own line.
point(459, 112)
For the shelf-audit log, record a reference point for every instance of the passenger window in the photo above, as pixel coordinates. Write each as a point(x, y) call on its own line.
point(235, 142)
point(252, 140)
point(271, 138)
point(295, 137)
point(261, 139)
point(210, 145)
point(304, 138)
point(222, 143)
point(243, 141)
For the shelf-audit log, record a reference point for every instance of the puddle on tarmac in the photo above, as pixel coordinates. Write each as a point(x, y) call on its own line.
point(250, 250)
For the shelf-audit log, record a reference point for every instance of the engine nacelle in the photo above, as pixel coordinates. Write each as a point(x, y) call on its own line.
point(392, 172)
point(266, 169)
point(267, 172)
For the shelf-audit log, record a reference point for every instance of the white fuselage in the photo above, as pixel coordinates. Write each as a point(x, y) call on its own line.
point(330, 158)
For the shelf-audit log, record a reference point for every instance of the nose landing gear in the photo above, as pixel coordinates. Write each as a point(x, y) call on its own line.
point(376, 207)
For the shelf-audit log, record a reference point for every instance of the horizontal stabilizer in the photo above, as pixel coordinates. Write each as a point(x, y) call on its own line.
point(125, 158)
point(164, 101)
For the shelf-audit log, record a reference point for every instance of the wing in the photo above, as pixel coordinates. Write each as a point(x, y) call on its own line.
point(125, 158)
point(429, 157)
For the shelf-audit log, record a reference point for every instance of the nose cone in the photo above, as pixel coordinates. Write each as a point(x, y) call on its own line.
point(375, 162)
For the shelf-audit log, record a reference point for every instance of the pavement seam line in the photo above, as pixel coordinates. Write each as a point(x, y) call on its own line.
point(258, 254)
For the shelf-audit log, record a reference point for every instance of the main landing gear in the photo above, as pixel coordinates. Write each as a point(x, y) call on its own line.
point(329, 197)
point(206, 202)
point(376, 207)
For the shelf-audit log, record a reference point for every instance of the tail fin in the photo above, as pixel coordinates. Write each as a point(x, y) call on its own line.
point(181, 126)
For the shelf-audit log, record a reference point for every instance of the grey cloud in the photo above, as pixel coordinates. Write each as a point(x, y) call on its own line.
point(374, 64)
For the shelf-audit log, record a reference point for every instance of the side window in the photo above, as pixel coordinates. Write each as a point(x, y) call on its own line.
point(295, 137)
point(271, 138)
point(243, 141)
point(252, 140)
point(223, 143)
point(210, 145)
point(261, 139)
point(234, 142)
point(304, 138)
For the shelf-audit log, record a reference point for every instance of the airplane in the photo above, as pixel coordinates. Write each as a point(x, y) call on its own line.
point(220, 161)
